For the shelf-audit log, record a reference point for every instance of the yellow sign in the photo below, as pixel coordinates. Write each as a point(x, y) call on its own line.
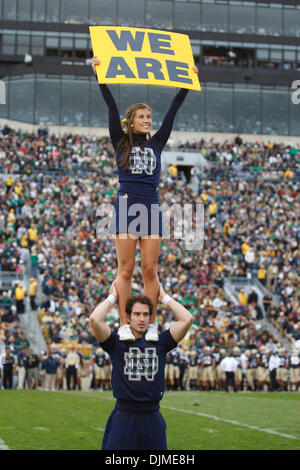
point(143, 56)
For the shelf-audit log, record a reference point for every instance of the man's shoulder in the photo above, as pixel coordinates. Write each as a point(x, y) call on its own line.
point(166, 339)
point(112, 339)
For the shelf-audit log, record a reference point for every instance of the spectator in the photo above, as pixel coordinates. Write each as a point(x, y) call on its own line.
point(8, 362)
point(274, 364)
point(173, 170)
point(32, 363)
point(243, 298)
point(9, 184)
point(267, 302)
point(262, 275)
point(50, 365)
point(21, 361)
point(255, 208)
point(33, 290)
point(20, 294)
point(229, 366)
point(72, 364)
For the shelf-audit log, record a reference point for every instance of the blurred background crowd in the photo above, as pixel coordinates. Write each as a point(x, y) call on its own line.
point(49, 219)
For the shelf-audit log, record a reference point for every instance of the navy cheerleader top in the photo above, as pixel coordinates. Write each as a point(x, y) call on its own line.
point(145, 159)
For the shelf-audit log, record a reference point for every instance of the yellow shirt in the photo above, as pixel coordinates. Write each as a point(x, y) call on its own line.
point(18, 189)
point(243, 299)
point(20, 293)
point(32, 233)
point(173, 170)
point(11, 218)
point(245, 247)
point(226, 228)
point(271, 253)
point(212, 208)
point(261, 274)
point(9, 182)
point(24, 241)
point(204, 196)
point(289, 174)
point(33, 288)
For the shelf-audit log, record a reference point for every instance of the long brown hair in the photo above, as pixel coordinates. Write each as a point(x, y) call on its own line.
point(126, 143)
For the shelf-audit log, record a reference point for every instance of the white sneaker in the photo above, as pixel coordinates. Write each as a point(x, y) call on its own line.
point(152, 333)
point(125, 333)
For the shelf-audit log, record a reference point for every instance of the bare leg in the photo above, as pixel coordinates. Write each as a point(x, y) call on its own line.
point(149, 255)
point(126, 250)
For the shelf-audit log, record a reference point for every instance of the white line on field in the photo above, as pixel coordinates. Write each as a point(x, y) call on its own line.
point(236, 423)
point(216, 418)
point(3, 446)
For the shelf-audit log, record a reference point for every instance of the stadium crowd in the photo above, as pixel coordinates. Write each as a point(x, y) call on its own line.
point(50, 232)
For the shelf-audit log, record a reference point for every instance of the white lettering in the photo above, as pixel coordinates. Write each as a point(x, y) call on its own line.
point(295, 94)
point(153, 459)
point(116, 460)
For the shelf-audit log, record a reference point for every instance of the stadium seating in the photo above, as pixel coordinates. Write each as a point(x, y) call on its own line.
point(59, 183)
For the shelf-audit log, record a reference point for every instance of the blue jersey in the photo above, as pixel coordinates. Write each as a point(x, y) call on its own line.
point(145, 157)
point(138, 372)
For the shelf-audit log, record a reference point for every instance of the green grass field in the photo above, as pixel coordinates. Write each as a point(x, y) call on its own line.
point(37, 420)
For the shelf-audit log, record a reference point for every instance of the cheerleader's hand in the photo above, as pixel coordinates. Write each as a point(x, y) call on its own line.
point(95, 63)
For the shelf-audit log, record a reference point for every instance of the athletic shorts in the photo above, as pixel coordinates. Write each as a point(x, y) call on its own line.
point(219, 373)
point(282, 374)
point(207, 374)
point(174, 372)
point(100, 374)
point(261, 374)
point(135, 427)
point(137, 215)
point(192, 373)
point(238, 374)
point(294, 374)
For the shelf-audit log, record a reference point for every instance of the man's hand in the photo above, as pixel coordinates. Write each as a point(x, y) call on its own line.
point(195, 69)
point(95, 62)
point(113, 291)
point(98, 325)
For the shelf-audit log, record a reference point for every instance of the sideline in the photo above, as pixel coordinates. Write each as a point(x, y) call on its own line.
point(224, 420)
point(3, 446)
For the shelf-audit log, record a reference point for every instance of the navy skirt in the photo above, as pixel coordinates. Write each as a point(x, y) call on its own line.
point(138, 215)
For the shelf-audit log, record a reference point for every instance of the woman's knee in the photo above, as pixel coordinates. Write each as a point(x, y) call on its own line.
point(149, 272)
point(125, 271)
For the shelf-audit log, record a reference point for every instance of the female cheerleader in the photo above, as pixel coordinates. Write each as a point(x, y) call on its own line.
point(138, 157)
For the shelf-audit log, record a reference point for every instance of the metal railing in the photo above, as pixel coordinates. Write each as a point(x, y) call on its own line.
point(10, 277)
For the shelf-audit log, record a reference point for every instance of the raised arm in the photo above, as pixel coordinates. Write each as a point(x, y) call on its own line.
point(114, 124)
point(183, 317)
point(99, 328)
point(162, 135)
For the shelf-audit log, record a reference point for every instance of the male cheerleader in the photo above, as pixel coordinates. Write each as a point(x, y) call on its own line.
point(138, 371)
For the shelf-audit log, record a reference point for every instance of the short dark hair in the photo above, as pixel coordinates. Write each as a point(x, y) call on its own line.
point(142, 299)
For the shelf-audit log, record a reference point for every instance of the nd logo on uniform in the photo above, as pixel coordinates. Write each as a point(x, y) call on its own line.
point(142, 160)
point(140, 364)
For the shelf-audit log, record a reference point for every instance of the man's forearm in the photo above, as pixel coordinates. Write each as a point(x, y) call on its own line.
point(183, 318)
point(98, 325)
point(181, 313)
point(102, 309)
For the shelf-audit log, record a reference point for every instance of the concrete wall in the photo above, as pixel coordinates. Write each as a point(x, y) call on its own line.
point(175, 138)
